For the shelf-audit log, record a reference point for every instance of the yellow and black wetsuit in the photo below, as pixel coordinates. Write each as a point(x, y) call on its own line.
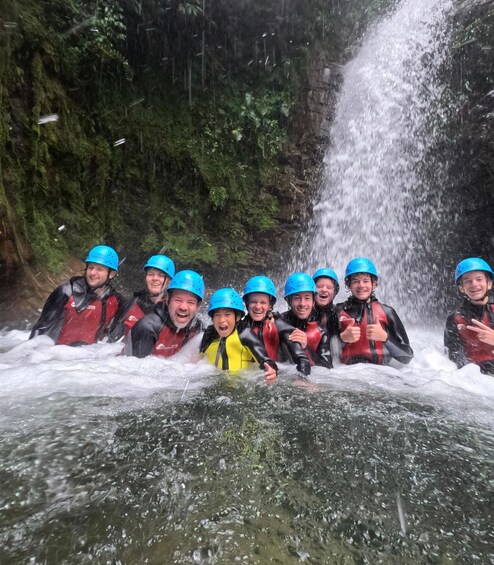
point(235, 352)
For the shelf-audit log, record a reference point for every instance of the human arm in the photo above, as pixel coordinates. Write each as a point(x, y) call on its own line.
point(143, 336)
point(397, 343)
point(250, 340)
point(298, 336)
point(454, 344)
point(116, 329)
point(52, 316)
point(294, 348)
point(324, 350)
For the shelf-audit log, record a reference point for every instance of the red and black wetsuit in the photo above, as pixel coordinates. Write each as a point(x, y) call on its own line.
point(74, 315)
point(462, 344)
point(397, 345)
point(317, 349)
point(136, 308)
point(156, 334)
point(274, 334)
point(327, 316)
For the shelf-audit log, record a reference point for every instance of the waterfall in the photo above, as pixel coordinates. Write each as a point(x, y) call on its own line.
point(384, 187)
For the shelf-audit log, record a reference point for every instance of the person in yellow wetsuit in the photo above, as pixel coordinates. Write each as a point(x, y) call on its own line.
point(227, 347)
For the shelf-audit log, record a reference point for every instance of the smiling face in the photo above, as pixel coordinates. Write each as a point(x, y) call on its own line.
point(224, 321)
point(362, 286)
point(302, 304)
point(97, 275)
point(156, 281)
point(182, 307)
point(325, 291)
point(475, 286)
point(258, 306)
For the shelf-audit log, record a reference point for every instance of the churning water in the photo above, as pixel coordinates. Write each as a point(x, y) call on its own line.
point(384, 192)
point(107, 459)
point(112, 460)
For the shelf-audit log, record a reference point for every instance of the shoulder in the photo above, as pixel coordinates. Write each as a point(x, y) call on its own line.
point(148, 323)
point(209, 336)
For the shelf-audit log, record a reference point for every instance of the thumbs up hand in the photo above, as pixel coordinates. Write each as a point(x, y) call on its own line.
point(351, 334)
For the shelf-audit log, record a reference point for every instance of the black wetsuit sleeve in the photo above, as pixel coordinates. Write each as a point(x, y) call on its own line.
point(116, 329)
point(143, 336)
point(453, 343)
point(332, 323)
point(293, 348)
point(249, 339)
point(210, 334)
point(397, 344)
point(323, 350)
point(52, 316)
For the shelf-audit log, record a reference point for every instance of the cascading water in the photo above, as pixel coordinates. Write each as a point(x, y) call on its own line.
point(384, 191)
point(109, 459)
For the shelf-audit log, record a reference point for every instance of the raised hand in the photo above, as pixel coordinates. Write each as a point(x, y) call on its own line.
point(351, 334)
point(376, 332)
point(484, 333)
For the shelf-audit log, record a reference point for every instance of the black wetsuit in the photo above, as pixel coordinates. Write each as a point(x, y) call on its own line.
point(317, 350)
point(274, 334)
point(156, 334)
point(363, 313)
point(328, 317)
point(462, 344)
point(135, 309)
point(71, 323)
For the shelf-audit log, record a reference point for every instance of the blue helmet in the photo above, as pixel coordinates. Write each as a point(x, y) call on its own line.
point(226, 298)
point(299, 282)
point(360, 265)
point(162, 263)
point(189, 281)
point(472, 264)
point(330, 274)
point(103, 255)
point(260, 284)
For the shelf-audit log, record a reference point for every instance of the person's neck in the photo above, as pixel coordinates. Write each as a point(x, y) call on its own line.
point(482, 302)
point(155, 298)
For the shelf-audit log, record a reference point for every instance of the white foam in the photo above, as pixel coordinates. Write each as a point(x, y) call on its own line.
point(37, 367)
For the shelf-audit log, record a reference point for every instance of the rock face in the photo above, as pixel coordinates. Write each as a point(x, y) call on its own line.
point(302, 164)
point(472, 87)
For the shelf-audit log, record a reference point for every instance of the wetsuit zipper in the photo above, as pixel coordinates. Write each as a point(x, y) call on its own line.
point(372, 344)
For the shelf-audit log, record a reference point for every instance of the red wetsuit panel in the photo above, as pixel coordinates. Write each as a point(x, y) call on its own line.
point(134, 314)
point(170, 342)
point(475, 350)
point(270, 337)
point(313, 340)
point(85, 326)
point(371, 350)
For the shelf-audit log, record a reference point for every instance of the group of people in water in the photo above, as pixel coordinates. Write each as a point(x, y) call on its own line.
point(163, 317)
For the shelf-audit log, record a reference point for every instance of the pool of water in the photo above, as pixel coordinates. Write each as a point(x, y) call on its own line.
point(107, 459)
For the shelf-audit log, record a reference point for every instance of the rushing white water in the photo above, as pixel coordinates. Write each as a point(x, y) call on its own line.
point(384, 191)
point(36, 369)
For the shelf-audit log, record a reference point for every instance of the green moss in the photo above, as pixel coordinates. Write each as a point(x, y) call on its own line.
point(46, 244)
point(202, 133)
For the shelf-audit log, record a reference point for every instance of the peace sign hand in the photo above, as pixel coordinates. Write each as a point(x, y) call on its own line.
point(484, 333)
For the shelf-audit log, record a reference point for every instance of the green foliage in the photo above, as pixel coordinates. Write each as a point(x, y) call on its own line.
point(47, 247)
point(200, 100)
